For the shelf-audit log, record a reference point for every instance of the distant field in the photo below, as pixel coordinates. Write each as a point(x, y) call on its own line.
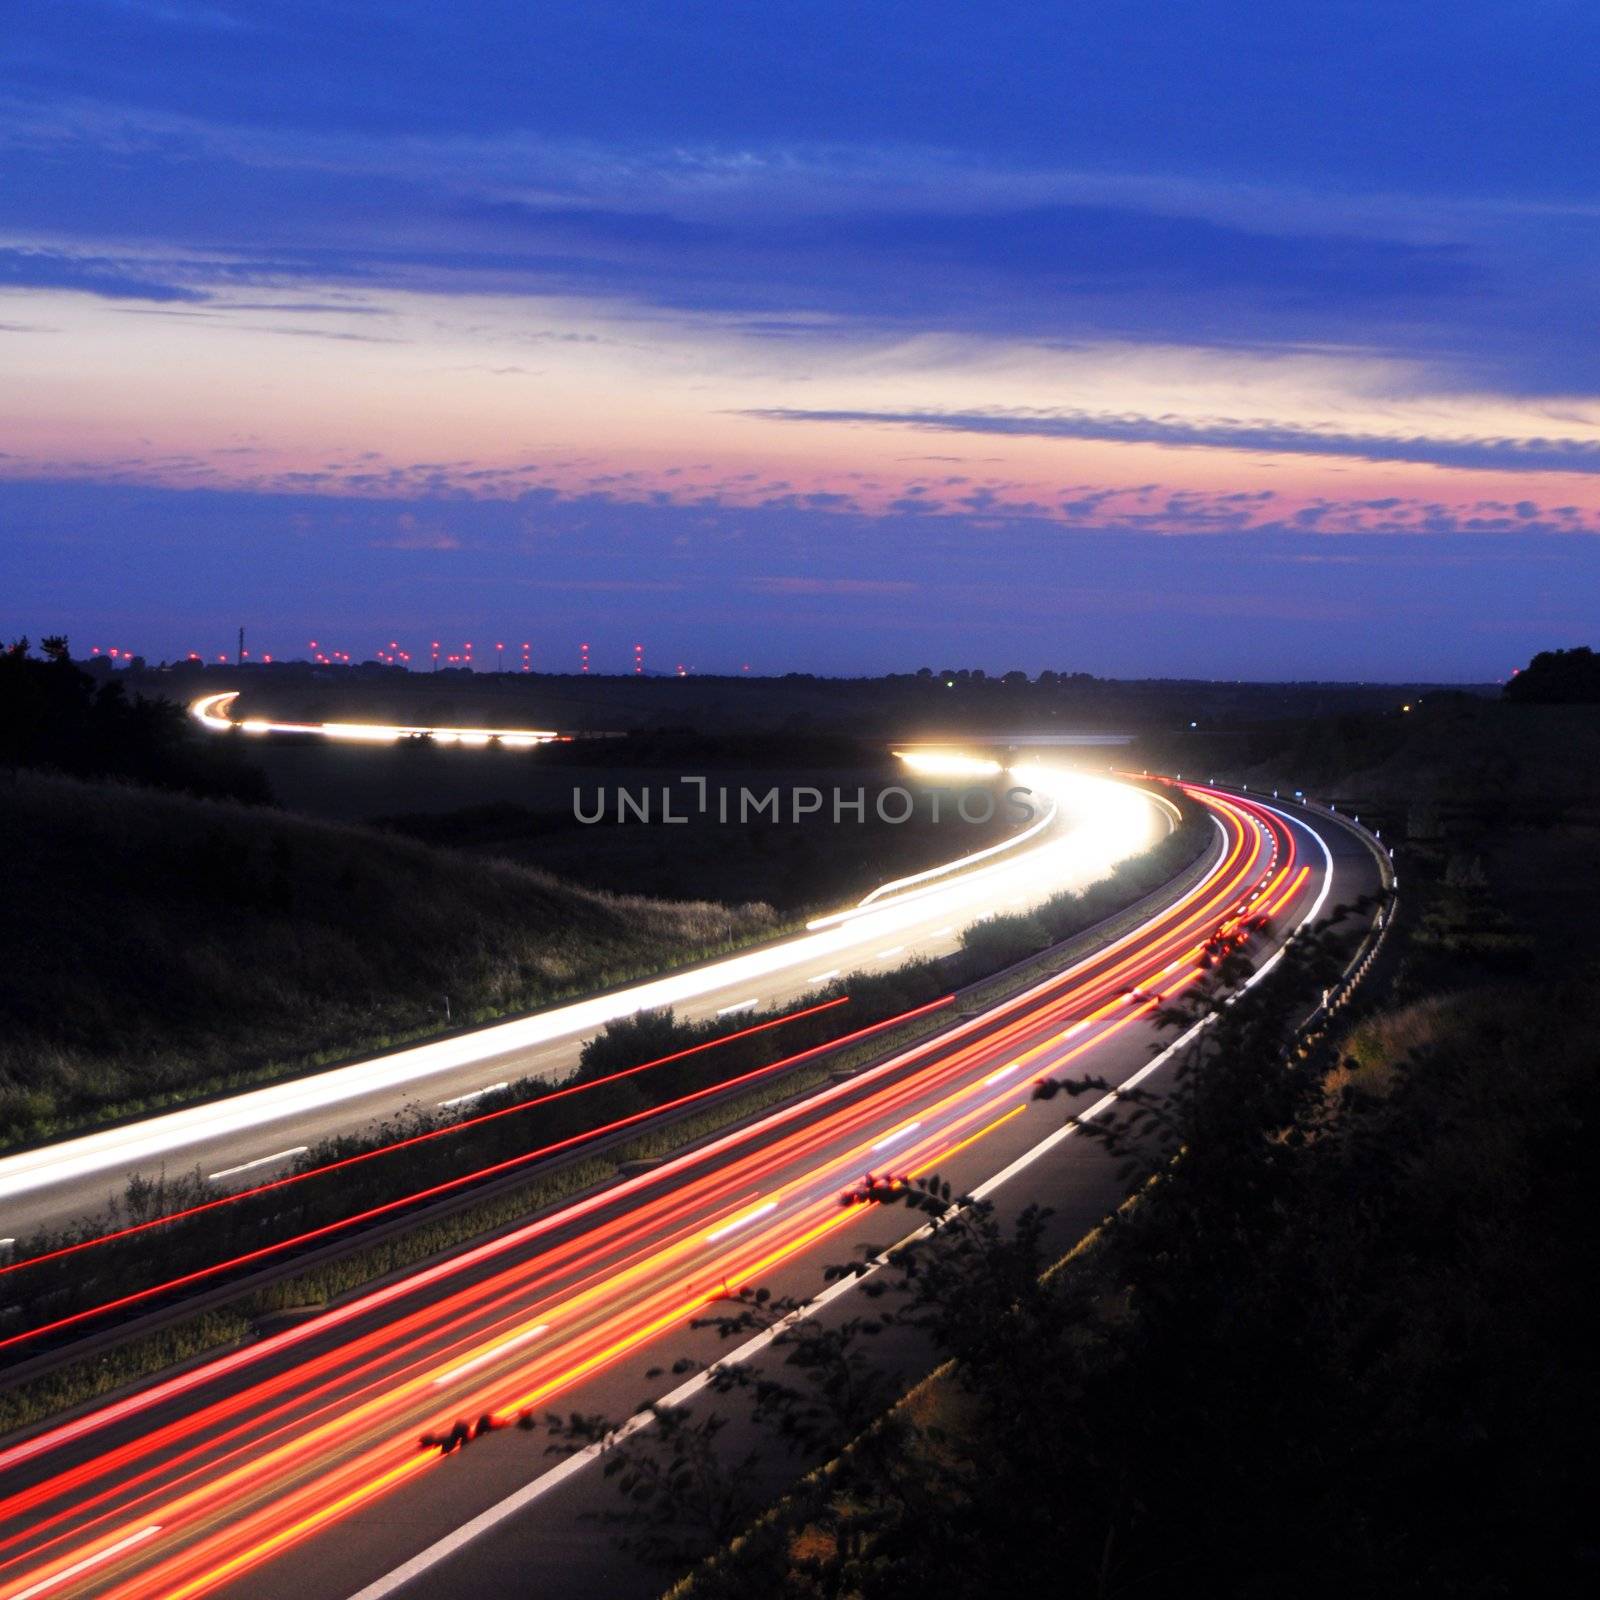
point(796, 706)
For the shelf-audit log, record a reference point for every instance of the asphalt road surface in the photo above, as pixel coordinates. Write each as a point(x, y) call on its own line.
point(294, 1465)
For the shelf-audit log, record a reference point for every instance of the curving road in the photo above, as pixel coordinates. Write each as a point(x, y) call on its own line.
point(1091, 823)
point(293, 1465)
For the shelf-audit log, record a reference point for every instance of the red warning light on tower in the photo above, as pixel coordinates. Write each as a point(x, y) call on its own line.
point(583, 658)
point(638, 659)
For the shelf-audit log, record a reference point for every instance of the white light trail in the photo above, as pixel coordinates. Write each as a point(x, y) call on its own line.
point(211, 711)
point(1100, 822)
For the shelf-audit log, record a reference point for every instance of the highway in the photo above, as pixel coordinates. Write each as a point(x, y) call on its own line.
point(1085, 825)
point(294, 1464)
point(211, 711)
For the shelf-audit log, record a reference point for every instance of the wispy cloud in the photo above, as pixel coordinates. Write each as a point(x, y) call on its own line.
point(104, 276)
point(834, 586)
point(1503, 454)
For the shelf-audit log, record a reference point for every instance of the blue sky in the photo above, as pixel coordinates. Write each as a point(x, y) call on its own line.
point(1136, 337)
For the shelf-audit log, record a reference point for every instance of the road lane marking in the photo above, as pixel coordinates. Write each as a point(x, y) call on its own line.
point(739, 1222)
point(476, 1094)
point(260, 1161)
point(56, 1579)
point(893, 950)
point(493, 1351)
point(897, 1135)
point(737, 1006)
point(823, 977)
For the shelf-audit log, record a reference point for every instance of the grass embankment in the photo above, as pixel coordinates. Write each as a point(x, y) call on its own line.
point(57, 1288)
point(800, 868)
point(156, 946)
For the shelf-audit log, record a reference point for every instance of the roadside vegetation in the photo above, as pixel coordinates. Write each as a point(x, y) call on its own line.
point(58, 716)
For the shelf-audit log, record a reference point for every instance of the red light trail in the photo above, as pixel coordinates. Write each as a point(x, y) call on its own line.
point(182, 1486)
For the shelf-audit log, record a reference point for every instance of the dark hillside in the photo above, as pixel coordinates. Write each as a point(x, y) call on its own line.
point(222, 942)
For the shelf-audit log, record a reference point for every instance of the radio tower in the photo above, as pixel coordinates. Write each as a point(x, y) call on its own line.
point(638, 660)
point(583, 658)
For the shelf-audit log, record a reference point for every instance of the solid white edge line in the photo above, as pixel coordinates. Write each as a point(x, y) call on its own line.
point(485, 1521)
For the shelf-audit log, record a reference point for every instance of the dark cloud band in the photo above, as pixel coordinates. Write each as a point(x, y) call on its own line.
point(1470, 454)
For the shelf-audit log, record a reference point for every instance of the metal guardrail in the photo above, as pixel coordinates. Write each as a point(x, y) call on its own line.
point(1339, 994)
